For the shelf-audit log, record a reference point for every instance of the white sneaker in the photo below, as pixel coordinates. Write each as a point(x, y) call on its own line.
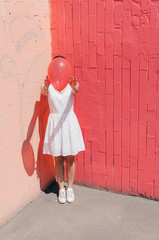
point(70, 195)
point(62, 196)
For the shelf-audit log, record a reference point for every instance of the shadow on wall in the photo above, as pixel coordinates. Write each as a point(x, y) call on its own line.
point(44, 165)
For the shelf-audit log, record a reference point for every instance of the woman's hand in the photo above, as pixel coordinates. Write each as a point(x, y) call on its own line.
point(74, 84)
point(46, 82)
point(44, 88)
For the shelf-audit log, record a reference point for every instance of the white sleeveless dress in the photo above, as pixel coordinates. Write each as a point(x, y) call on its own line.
point(63, 134)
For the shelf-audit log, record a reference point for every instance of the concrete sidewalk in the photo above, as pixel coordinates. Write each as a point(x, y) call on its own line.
point(95, 214)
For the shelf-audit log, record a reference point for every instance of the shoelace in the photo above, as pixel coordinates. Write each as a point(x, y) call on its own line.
point(62, 194)
point(70, 193)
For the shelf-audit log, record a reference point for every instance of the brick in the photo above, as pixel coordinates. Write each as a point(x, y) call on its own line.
point(77, 54)
point(150, 149)
point(85, 67)
point(109, 131)
point(80, 168)
point(101, 167)
point(149, 189)
point(142, 134)
point(109, 51)
point(145, 6)
point(76, 29)
point(69, 41)
point(117, 173)
point(117, 42)
point(151, 117)
point(126, 83)
point(142, 109)
point(101, 137)
point(118, 15)
point(126, 24)
point(100, 16)
point(133, 168)
point(143, 84)
point(60, 14)
point(151, 97)
point(156, 189)
point(95, 162)
point(141, 157)
point(109, 23)
point(134, 83)
point(127, 4)
point(109, 81)
point(100, 68)
point(109, 153)
point(68, 14)
point(92, 7)
point(125, 143)
point(92, 28)
point(143, 61)
point(109, 7)
point(136, 9)
point(133, 187)
point(110, 182)
point(117, 69)
point(54, 41)
point(61, 27)
point(125, 95)
point(93, 78)
point(53, 10)
point(125, 180)
point(93, 56)
point(117, 184)
point(156, 162)
point(117, 143)
point(133, 132)
point(126, 55)
point(117, 95)
point(100, 44)
point(153, 71)
point(110, 171)
point(117, 119)
point(141, 182)
point(157, 115)
point(76, 7)
point(109, 106)
point(84, 28)
point(87, 154)
point(78, 74)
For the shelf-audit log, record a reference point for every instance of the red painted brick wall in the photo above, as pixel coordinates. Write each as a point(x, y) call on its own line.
point(113, 48)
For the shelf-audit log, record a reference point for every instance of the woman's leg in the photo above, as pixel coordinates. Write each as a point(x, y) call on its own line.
point(59, 171)
point(70, 170)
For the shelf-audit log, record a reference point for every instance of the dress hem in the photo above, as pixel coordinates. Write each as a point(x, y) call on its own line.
point(72, 154)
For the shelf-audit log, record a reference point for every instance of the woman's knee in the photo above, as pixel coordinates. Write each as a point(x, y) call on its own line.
point(59, 160)
point(70, 159)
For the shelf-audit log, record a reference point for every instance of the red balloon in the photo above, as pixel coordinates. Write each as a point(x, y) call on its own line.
point(59, 73)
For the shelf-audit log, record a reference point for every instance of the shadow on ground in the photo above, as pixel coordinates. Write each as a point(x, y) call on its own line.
point(53, 188)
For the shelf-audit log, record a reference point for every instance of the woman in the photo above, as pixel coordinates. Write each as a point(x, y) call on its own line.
point(63, 136)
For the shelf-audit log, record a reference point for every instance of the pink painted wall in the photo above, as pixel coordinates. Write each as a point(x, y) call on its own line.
point(24, 56)
point(113, 48)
